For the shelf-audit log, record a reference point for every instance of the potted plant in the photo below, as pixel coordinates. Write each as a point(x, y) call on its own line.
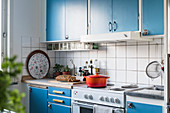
point(57, 69)
point(66, 70)
point(10, 100)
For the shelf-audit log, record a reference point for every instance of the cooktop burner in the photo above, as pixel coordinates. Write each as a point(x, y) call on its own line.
point(130, 86)
point(117, 89)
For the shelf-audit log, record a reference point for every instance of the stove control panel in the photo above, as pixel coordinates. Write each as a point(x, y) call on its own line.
point(107, 98)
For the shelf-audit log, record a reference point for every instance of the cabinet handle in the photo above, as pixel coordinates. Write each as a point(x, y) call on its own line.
point(67, 37)
point(59, 101)
point(49, 106)
point(110, 26)
point(130, 105)
point(58, 92)
point(114, 26)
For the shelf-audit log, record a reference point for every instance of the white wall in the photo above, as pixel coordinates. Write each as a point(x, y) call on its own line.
point(25, 22)
point(123, 62)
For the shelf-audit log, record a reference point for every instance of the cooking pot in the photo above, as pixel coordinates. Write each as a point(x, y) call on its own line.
point(96, 80)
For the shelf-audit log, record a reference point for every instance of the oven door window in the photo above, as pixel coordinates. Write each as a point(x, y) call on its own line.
point(85, 110)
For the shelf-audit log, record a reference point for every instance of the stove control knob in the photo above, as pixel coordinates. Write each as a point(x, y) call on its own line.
point(101, 98)
point(90, 97)
point(116, 100)
point(112, 100)
point(86, 96)
point(106, 99)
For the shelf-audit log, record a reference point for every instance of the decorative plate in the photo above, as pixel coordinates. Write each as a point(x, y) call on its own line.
point(38, 64)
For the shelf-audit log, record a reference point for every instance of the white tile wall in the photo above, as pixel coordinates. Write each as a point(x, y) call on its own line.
point(122, 62)
point(31, 43)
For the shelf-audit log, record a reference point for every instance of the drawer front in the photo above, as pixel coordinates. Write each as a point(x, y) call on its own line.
point(53, 108)
point(133, 107)
point(59, 91)
point(59, 100)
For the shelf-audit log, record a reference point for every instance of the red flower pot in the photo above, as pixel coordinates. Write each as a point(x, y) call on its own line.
point(66, 73)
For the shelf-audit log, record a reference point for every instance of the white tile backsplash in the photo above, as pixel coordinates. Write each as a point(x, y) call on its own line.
point(142, 64)
point(122, 62)
point(132, 64)
point(132, 77)
point(26, 41)
point(111, 74)
point(25, 52)
point(143, 51)
point(143, 78)
point(111, 63)
point(111, 51)
point(35, 42)
point(131, 51)
point(93, 54)
point(30, 44)
point(121, 51)
point(121, 76)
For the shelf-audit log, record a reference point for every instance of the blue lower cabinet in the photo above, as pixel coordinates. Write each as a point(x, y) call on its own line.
point(59, 91)
point(54, 108)
point(38, 100)
point(59, 100)
point(133, 107)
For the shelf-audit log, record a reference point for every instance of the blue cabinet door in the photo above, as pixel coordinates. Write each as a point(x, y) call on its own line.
point(76, 18)
point(38, 100)
point(153, 16)
point(125, 15)
point(55, 20)
point(54, 108)
point(101, 16)
point(143, 108)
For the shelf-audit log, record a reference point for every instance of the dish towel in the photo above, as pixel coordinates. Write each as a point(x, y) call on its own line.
point(102, 109)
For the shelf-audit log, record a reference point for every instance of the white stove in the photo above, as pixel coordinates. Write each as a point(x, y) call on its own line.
point(110, 96)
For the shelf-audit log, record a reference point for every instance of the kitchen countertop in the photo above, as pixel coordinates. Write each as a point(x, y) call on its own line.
point(147, 93)
point(45, 82)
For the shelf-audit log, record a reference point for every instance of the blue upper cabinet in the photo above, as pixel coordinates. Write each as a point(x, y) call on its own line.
point(55, 23)
point(133, 107)
point(76, 19)
point(101, 16)
point(38, 100)
point(66, 19)
point(125, 15)
point(153, 17)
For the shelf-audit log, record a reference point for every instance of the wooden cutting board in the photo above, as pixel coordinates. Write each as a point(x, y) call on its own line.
point(67, 83)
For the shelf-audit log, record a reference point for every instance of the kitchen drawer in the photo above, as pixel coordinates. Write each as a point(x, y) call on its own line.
point(134, 107)
point(54, 108)
point(59, 91)
point(59, 100)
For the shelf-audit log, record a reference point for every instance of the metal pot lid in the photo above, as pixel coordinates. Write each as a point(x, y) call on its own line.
point(154, 69)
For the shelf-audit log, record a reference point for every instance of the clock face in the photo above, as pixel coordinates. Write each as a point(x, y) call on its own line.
point(38, 64)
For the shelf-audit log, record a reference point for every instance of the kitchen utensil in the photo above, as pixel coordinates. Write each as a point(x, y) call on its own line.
point(154, 69)
point(38, 64)
point(96, 80)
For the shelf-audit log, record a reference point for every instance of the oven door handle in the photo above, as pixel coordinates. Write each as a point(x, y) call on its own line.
point(83, 105)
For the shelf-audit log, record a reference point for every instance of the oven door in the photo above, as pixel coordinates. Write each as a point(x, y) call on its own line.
point(81, 107)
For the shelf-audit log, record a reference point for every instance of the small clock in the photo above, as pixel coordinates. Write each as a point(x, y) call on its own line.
point(38, 64)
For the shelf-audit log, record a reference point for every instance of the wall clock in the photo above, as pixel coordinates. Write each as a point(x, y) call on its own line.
point(38, 64)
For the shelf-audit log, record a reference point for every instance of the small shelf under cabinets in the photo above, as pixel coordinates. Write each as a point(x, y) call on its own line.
point(71, 46)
